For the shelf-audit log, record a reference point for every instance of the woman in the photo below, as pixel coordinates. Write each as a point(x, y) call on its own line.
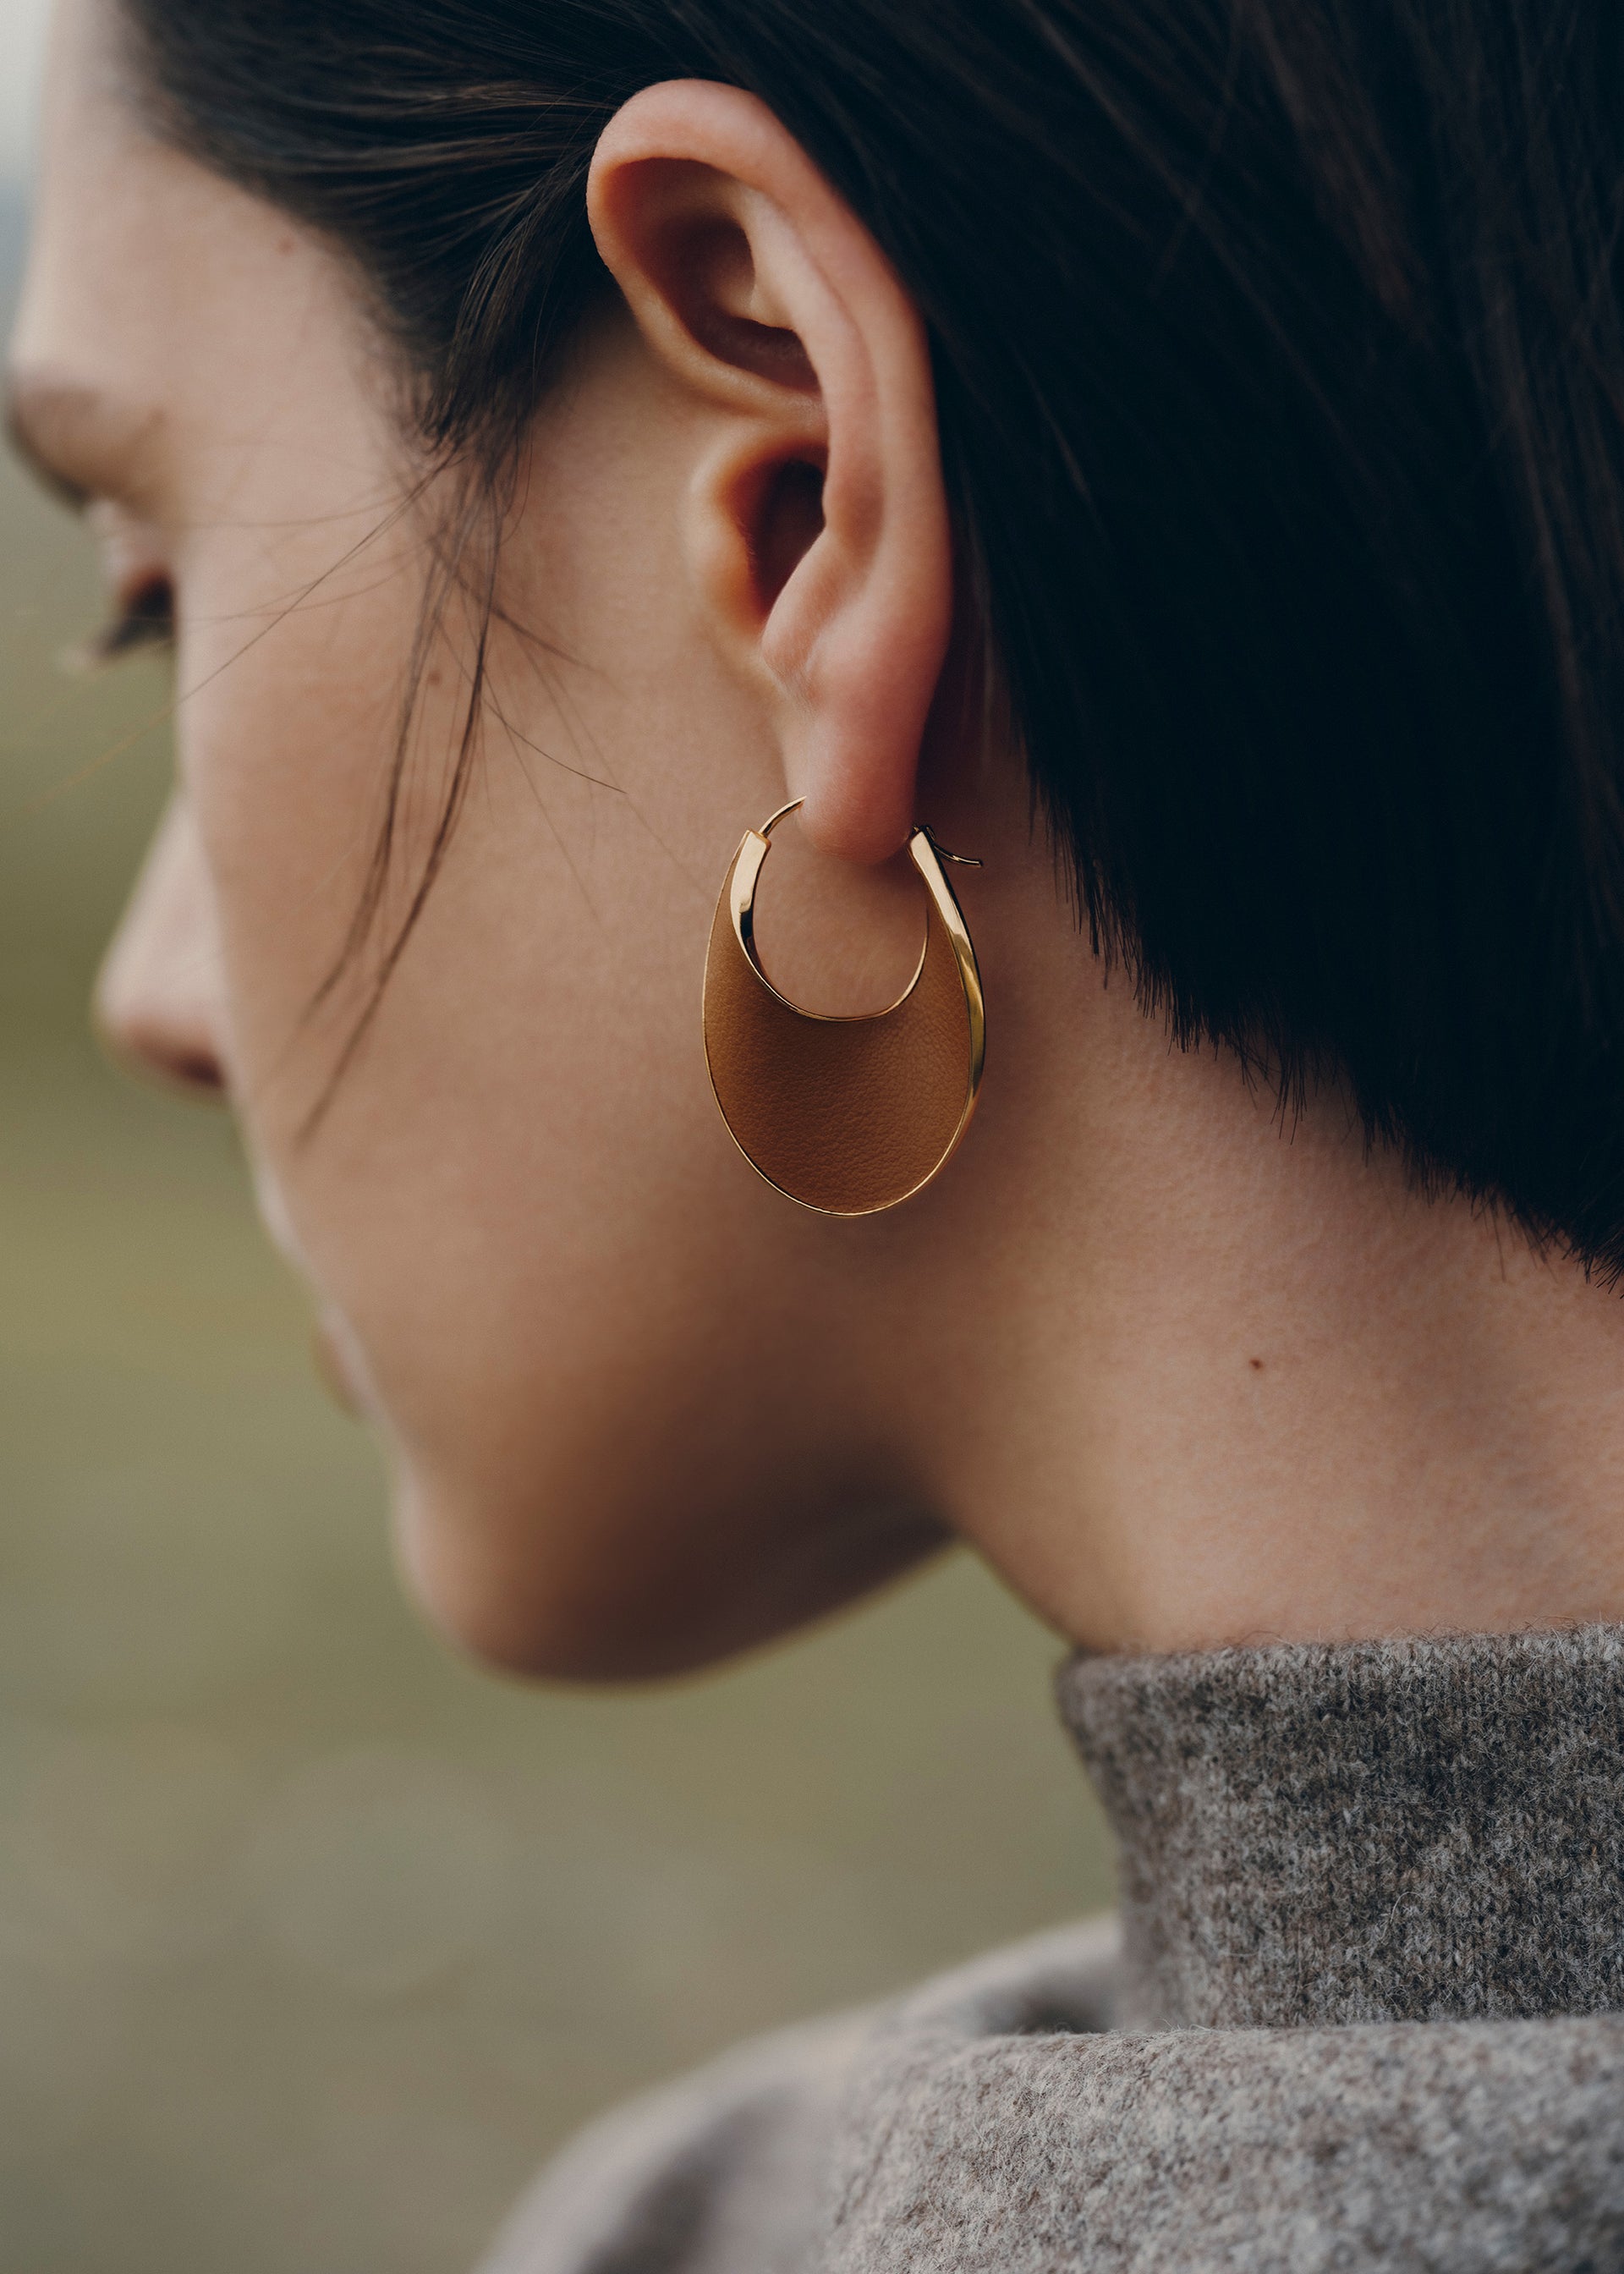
point(1171, 452)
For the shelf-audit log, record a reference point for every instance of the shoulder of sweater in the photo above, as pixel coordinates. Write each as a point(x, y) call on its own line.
point(724, 2171)
point(1460, 2147)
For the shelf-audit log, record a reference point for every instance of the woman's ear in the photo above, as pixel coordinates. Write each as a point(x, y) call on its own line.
point(817, 525)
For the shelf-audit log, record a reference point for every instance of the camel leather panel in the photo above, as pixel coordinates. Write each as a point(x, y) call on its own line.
point(848, 1115)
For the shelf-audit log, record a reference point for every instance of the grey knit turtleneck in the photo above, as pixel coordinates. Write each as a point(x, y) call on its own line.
point(1364, 2011)
point(1393, 1832)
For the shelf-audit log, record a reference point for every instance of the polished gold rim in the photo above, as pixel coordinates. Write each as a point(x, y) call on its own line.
point(927, 857)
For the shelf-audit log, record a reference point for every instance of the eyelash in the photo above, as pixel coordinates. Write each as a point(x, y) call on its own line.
point(143, 619)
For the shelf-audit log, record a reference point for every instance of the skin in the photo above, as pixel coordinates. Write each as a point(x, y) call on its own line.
point(1184, 1376)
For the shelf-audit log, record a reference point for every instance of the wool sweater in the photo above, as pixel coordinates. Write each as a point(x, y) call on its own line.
point(1362, 2007)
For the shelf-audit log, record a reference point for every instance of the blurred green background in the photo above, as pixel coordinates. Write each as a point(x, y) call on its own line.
point(313, 1941)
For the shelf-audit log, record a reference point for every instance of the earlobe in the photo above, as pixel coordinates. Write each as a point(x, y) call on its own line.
point(817, 527)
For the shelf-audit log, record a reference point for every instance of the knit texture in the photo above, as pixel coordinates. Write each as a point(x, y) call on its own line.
point(1360, 2015)
point(1373, 1832)
point(1419, 2148)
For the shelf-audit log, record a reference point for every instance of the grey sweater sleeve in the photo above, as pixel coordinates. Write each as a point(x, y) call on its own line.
point(715, 2175)
point(728, 2170)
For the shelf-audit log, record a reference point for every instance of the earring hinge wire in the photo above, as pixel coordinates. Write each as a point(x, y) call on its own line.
point(959, 860)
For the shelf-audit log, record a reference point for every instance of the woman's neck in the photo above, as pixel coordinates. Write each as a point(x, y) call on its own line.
point(1234, 1380)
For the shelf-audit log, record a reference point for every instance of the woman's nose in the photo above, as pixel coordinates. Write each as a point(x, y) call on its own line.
point(157, 1000)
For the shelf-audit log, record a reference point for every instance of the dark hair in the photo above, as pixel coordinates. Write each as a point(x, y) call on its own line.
point(1280, 366)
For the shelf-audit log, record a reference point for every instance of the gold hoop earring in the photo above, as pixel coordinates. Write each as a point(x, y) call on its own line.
point(847, 1116)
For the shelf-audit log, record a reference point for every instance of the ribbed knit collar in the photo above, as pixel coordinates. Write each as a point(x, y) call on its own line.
point(1399, 1831)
